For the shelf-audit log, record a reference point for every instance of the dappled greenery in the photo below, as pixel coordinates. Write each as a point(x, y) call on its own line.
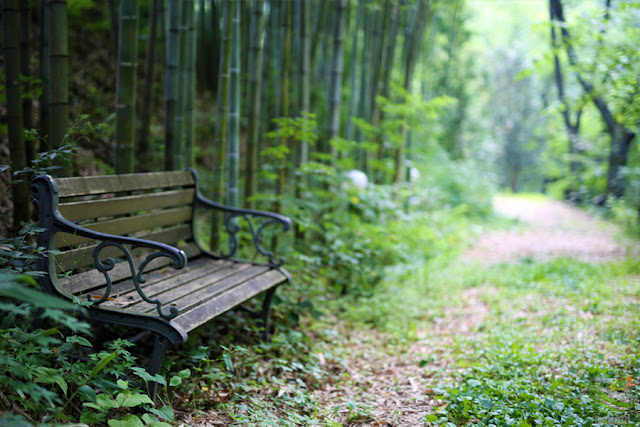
point(440, 104)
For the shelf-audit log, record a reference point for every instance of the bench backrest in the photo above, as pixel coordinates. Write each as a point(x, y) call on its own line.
point(155, 206)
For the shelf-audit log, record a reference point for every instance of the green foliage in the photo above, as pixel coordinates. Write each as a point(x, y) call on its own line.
point(547, 354)
point(46, 373)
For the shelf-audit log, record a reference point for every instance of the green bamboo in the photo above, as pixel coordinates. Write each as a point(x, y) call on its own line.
point(113, 25)
point(126, 86)
point(233, 149)
point(222, 129)
point(305, 76)
point(353, 82)
point(144, 147)
point(43, 123)
point(333, 127)
point(190, 89)
point(59, 87)
point(182, 79)
point(17, 152)
point(171, 85)
point(24, 29)
point(412, 47)
point(321, 12)
point(253, 114)
point(365, 73)
point(390, 49)
point(287, 29)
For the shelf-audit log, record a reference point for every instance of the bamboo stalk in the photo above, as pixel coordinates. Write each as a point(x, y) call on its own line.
point(333, 127)
point(233, 149)
point(17, 152)
point(255, 89)
point(59, 88)
point(190, 88)
point(144, 146)
point(171, 85)
point(126, 86)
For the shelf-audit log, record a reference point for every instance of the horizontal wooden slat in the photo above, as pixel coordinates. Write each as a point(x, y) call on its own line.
point(89, 185)
point(93, 279)
point(99, 208)
point(129, 225)
point(200, 291)
point(172, 286)
point(81, 257)
point(222, 302)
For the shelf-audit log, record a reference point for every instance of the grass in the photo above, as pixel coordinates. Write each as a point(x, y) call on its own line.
point(558, 346)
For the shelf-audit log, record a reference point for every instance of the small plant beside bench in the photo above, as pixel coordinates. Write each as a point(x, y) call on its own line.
point(122, 242)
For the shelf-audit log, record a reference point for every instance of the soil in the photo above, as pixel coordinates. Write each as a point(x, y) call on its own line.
point(552, 229)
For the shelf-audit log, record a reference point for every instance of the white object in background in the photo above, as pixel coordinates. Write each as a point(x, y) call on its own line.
point(414, 175)
point(358, 178)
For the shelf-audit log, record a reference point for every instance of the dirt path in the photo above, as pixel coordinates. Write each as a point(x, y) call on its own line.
point(552, 229)
point(395, 388)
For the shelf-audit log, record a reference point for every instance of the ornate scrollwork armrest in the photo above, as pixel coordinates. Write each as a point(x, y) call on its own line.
point(178, 257)
point(253, 218)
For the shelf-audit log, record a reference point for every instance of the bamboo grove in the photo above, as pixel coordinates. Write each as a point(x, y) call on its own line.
point(252, 64)
point(252, 92)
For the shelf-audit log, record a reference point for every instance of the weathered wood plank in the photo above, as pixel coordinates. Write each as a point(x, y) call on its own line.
point(223, 302)
point(91, 209)
point(129, 225)
point(163, 281)
point(92, 280)
point(81, 257)
point(205, 290)
point(90, 185)
point(231, 273)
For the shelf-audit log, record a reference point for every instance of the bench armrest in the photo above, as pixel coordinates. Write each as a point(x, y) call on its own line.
point(179, 258)
point(249, 215)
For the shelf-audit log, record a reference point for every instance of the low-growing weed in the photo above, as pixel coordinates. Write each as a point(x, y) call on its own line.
point(558, 347)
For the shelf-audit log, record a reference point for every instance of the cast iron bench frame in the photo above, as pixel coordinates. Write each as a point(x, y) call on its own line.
point(150, 191)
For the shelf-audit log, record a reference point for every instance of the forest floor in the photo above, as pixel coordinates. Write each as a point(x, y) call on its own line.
point(381, 380)
point(395, 389)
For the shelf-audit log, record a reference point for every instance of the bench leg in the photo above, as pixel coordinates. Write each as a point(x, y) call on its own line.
point(159, 349)
point(264, 314)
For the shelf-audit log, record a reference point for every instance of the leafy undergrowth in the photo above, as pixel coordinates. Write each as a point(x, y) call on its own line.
point(550, 343)
point(559, 346)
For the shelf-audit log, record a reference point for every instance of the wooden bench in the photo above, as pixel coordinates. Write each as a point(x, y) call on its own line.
point(123, 241)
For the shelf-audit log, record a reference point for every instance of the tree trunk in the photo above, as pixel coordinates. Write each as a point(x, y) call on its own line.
point(171, 85)
point(287, 17)
point(621, 137)
point(573, 127)
point(45, 70)
point(352, 78)
point(59, 95)
point(144, 146)
point(113, 25)
point(182, 78)
point(305, 73)
point(333, 127)
point(233, 151)
point(24, 27)
point(222, 128)
point(17, 152)
point(126, 86)
point(190, 89)
point(412, 47)
point(255, 89)
point(386, 81)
